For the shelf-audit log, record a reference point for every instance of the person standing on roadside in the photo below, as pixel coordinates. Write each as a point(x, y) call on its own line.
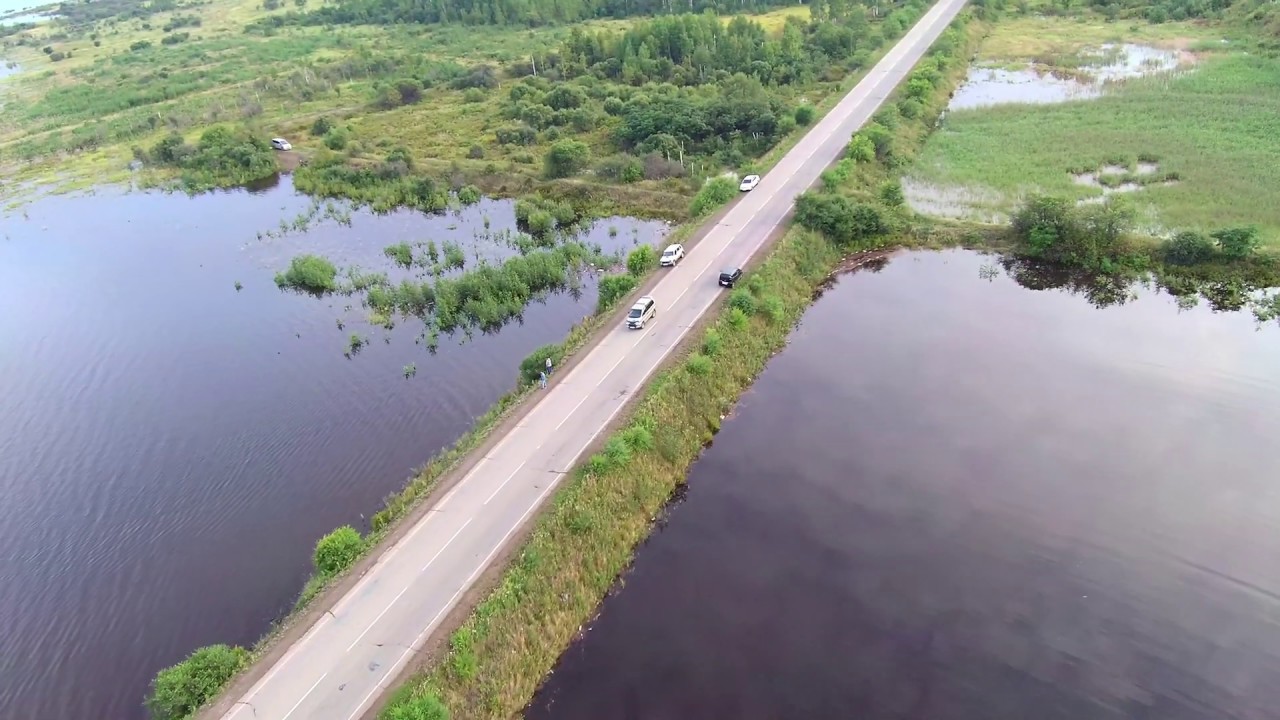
point(548, 365)
point(542, 380)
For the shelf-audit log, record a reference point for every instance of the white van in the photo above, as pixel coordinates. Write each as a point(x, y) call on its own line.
point(642, 312)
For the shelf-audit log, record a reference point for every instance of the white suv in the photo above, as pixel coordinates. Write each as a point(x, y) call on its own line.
point(642, 312)
point(672, 255)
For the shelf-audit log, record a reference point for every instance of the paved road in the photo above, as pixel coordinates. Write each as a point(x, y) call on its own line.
point(347, 658)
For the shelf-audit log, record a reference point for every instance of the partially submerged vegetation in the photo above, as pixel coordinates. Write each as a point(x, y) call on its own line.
point(223, 157)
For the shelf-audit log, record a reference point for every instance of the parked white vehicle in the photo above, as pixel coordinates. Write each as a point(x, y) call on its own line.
point(642, 312)
point(281, 144)
point(749, 183)
point(672, 255)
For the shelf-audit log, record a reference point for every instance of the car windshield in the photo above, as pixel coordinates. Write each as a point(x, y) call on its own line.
point(668, 253)
point(635, 312)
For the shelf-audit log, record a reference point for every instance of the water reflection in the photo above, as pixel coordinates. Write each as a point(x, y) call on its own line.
point(951, 498)
point(176, 432)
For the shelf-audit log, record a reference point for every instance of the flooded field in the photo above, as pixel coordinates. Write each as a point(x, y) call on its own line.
point(955, 498)
point(1036, 83)
point(1087, 75)
point(177, 432)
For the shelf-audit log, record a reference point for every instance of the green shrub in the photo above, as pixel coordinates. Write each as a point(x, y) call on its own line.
point(1237, 243)
point(736, 318)
point(400, 155)
point(613, 288)
point(178, 691)
point(711, 343)
point(773, 308)
point(567, 158)
point(804, 114)
point(910, 108)
point(699, 364)
point(223, 157)
point(336, 551)
point(713, 194)
point(641, 260)
point(469, 195)
point(402, 253)
point(617, 451)
point(336, 139)
point(454, 257)
point(536, 362)
point(1189, 248)
point(312, 273)
point(423, 707)
point(742, 299)
point(1086, 236)
point(847, 223)
point(541, 222)
point(891, 193)
point(321, 126)
point(860, 149)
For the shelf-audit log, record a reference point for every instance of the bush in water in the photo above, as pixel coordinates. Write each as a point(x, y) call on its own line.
point(178, 691)
point(336, 551)
point(309, 272)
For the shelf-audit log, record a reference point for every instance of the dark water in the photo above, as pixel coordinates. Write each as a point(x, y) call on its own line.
point(958, 499)
point(170, 448)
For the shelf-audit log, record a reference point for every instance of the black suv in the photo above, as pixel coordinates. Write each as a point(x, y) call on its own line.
point(730, 276)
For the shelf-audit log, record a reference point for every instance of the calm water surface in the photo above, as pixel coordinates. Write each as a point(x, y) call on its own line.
point(171, 449)
point(958, 499)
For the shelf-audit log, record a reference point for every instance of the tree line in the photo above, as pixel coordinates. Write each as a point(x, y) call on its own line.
point(507, 12)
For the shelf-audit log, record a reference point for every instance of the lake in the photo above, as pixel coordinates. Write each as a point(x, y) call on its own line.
point(171, 447)
point(952, 497)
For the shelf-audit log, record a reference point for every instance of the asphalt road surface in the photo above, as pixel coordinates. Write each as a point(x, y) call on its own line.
point(351, 655)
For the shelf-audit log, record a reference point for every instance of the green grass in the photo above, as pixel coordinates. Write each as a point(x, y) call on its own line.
point(1216, 129)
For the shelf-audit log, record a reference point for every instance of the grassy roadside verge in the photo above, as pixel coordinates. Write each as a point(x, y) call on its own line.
point(585, 539)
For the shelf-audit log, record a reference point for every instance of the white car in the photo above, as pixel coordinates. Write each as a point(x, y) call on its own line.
point(749, 183)
point(281, 144)
point(642, 312)
point(672, 255)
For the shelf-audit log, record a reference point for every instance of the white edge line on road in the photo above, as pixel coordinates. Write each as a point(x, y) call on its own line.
point(304, 697)
point(409, 585)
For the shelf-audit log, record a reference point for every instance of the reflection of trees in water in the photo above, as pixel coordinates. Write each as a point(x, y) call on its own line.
point(1101, 290)
point(1240, 291)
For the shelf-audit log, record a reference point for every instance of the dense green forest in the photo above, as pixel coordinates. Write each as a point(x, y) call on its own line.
point(503, 12)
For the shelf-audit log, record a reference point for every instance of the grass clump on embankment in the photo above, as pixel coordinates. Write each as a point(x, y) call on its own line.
point(580, 545)
point(179, 691)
